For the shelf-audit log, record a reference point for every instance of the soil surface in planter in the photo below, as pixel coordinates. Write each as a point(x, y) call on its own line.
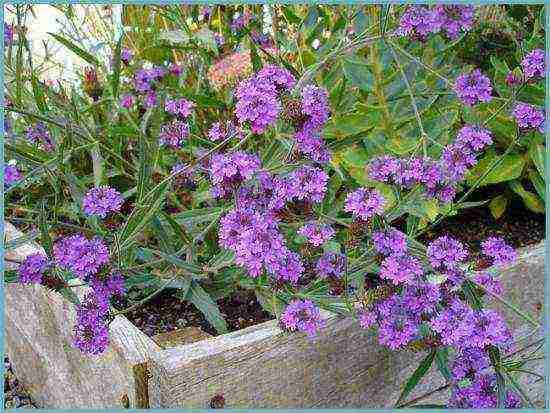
point(166, 312)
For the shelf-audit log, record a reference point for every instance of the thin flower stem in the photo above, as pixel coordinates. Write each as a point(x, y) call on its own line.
point(413, 100)
point(424, 65)
point(524, 396)
point(336, 220)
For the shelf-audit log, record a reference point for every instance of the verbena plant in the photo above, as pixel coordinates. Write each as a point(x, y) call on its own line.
point(302, 164)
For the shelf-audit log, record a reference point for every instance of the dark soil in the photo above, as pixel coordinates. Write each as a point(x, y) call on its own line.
point(166, 313)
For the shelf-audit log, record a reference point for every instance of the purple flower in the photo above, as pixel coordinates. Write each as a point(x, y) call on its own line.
point(241, 21)
point(280, 77)
point(384, 168)
point(533, 64)
point(503, 255)
point(8, 34)
point(398, 324)
point(91, 335)
point(421, 298)
point(263, 40)
point(473, 137)
point(174, 134)
point(367, 319)
point(331, 264)
point(101, 201)
point(410, 172)
point(11, 175)
point(33, 268)
point(39, 135)
point(127, 101)
point(480, 393)
point(472, 88)
point(389, 242)
point(219, 39)
point(456, 160)
point(401, 268)
point(315, 105)
point(445, 252)
point(229, 171)
point(302, 315)
point(468, 363)
point(454, 18)
point(257, 103)
point(150, 100)
point(80, 255)
point(221, 130)
point(489, 329)
point(418, 22)
point(364, 203)
point(112, 286)
point(312, 145)
point(308, 183)
point(488, 282)
point(455, 324)
point(175, 69)
point(284, 265)
point(145, 78)
point(179, 107)
point(126, 55)
point(317, 234)
point(512, 79)
point(529, 117)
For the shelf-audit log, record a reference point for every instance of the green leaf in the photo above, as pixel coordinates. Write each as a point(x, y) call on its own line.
point(358, 73)
point(442, 362)
point(530, 200)
point(204, 303)
point(180, 232)
point(38, 93)
point(76, 50)
point(507, 168)
point(348, 125)
point(538, 183)
point(415, 378)
point(536, 153)
point(497, 206)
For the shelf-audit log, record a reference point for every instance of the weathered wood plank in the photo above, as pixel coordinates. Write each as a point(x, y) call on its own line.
point(39, 324)
point(262, 366)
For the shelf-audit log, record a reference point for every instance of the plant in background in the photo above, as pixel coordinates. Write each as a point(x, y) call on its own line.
point(303, 173)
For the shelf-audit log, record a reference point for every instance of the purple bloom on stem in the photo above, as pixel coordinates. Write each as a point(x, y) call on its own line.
point(472, 88)
point(11, 175)
point(512, 79)
point(455, 323)
point(302, 315)
point(317, 234)
point(418, 22)
point(315, 105)
point(389, 242)
point(529, 117)
point(503, 255)
point(489, 329)
point(409, 172)
point(367, 319)
point(401, 268)
point(454, 18)
point(127, 101)
point(456, 160)
point(257, 103)
point(174, 134)
point(331, 264)
point(150, 100)
point(179, 107)
point(229, 171)
point(488, 282)
point(308, 183)
point(80, 255)
point(8, 34)
point(33, 268)
point(126, 55)
point(101, 201)
point(91, 335)
point(398, 324)
point(175, 69)
point(364, 203)
point(39, 135)
point(384, 168)
point(285, 265)
point(445, 252)
point(280, 77)
point(473, 137)
point(221, 130)
point(421, 298)
point(533, 64)
point(312, 145)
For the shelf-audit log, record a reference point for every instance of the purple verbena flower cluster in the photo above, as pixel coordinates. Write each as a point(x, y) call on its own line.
point(331, 264)
point(390, 242)
point(533, 64)
point(82, 256)
point(503, 255)
point(529, 117)
point(173, 134)
point(181, 108)
point(472, 88)
point(364, 203)
point(317, 234)
point(227, 172)
point(446, 253)
point(11, 175)
point(302, 315)
point(101, 201)
point(33, 268)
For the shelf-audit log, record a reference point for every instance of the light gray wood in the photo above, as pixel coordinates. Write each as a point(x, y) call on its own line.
point(39, 324)
point(260, 366)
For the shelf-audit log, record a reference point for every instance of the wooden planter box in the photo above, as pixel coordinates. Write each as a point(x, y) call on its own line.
point(260, 366)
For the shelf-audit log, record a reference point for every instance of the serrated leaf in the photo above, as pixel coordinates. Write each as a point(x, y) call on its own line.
point(506, 168)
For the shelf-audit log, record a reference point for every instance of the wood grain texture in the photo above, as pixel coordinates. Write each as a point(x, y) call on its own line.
point(262, 366)
point(39, 324)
